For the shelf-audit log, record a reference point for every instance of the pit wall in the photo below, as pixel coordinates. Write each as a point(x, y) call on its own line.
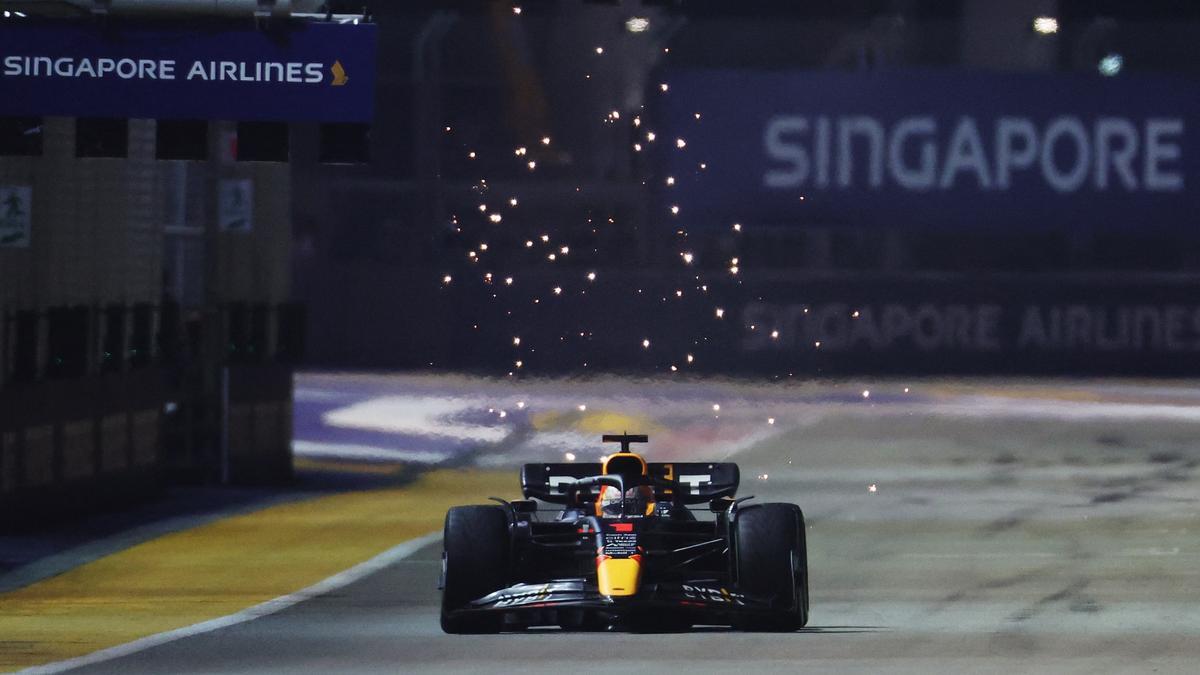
point(118, 316)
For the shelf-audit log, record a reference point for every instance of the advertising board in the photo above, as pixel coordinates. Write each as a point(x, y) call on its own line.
point(945, 149)
point(294, 71)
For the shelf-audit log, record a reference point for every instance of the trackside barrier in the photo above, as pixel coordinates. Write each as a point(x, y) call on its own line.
point(104, 405)
point(760, 323)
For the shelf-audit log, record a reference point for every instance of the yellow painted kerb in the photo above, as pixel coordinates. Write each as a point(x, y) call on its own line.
point(593, 422)
point(224, 567)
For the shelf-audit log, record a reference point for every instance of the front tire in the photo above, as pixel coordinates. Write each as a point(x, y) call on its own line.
point(771, 559)
point(475, 558)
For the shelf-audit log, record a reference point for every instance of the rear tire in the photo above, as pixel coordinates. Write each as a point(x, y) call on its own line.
point(475, 555)
point(772, 561)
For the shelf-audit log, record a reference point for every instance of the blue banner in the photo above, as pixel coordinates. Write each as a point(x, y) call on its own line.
point(292, 72)
point(949, 149)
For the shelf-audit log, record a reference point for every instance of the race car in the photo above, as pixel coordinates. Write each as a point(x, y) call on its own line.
point(623, 548)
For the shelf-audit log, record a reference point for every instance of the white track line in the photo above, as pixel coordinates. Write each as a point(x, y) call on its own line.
point(339, 580)
point(353, 451)
point(418, 415)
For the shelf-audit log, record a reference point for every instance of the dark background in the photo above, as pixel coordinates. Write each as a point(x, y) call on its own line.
point(375, 238)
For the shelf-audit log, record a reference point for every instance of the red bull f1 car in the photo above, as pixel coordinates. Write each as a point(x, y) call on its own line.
point(625, 548)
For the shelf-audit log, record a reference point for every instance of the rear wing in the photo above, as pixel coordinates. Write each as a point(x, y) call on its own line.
point(689, 482)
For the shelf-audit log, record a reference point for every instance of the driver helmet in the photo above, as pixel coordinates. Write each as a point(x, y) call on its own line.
point(639, 500)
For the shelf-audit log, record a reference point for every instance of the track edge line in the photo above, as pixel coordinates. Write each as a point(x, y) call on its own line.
point(266, 608)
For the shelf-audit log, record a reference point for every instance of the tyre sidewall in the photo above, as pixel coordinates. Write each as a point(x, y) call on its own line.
point(475, 548)
point(770, 560)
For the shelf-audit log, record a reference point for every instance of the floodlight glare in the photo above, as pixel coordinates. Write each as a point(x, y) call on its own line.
point(1111, 64)
point(637, 24)
point(1046, 25)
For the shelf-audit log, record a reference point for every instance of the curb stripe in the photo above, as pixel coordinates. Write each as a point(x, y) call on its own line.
point(333, 583)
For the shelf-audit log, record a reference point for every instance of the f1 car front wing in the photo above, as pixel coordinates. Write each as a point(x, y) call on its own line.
point(701, 598)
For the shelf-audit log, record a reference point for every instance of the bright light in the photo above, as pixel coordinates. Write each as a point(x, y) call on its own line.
point(716, 407)
point(558, 290)
point(872, 488)
point(737, 227)
point(1111, 64)
point(520, 152)
point(508, 281)
point(650, 136)
point(516, 10)
point(680, 143)
point(774, 335)
point(447, 279)
point(663, 86)
point(512, 202)
point(582, 407)
point(688, 258)
point(599, 50)
point(670, 180)
point(646, 343)
point(591, 276)
point(720, 313)
point(1046, 25)
point(866, 393)
point(570, 456)
point(495, 217)
point(770, 420)
point(674, 210)
point(564, 250)
point(690, 358)
point(637, 24)
point(516, 340)
point(532, 165)
point(520, 405)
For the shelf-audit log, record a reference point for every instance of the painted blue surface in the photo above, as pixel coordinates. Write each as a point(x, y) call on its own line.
point(206, 71)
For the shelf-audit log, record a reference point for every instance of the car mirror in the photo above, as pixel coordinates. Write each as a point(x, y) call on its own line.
point(523, 506)
point(719, 504)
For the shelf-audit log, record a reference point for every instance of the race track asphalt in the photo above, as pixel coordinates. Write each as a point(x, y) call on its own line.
point(1023, 527)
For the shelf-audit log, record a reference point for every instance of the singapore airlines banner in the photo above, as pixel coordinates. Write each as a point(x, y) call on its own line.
point(1005, 324)
point(289, 72)
point(942, 149)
